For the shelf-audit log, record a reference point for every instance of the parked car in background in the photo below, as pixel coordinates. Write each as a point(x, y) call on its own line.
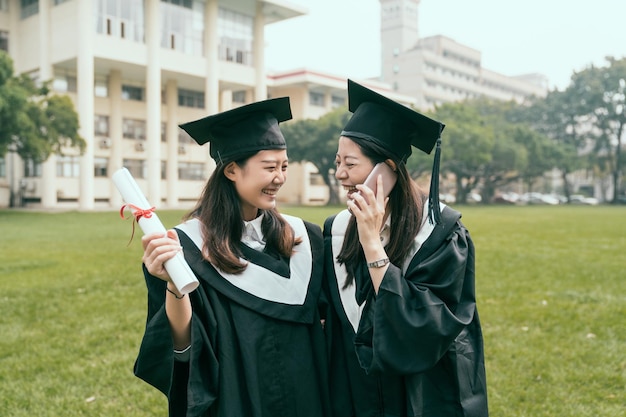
point(474, 198)
point(506, 198)
point(539, 198)
point(447, 198)
point(581, 199)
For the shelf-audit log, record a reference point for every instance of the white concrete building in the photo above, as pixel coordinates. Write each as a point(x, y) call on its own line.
point(437, 69)
point(135, 69)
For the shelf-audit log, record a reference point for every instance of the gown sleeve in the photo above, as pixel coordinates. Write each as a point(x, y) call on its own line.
point(155, 361)
point(189, 392)
point(415, 318)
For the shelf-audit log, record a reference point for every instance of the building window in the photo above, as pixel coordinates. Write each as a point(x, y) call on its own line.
point(235, 32)
point(134, 129)
point(4, 40)
point(57, 2)
point(101, 125)
point(64, 83)
point(130, 92)
point(184, 138)
point(68, 166)
point(191, 171)
point(121, 18)
point(316, 99)
point(190, 98)
point(101, 87)
point(239, 96)
point(4, 5)
point(316, 179)
point(137, 167)
point(3, 167)
point(182, 3)
point(100, 167)
point(28, 8)
point(32, 169)
point(163, 170)
point(337, 101)
point(183, 26)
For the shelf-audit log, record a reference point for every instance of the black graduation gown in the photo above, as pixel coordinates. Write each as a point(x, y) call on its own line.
point(250, 356)
point(415, 348)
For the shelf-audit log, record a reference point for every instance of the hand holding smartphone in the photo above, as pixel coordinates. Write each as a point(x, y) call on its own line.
point(389, 178)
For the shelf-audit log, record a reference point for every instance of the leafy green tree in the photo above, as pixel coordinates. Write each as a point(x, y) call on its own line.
point(587, 121)
point(541, 153)
point(508, 159)
point(538, 153)
point(315, 141)
point(602, 107)
point(33, 122)
point(509, 153)
point(487, 143)
point(556, 116)
point(466, 145)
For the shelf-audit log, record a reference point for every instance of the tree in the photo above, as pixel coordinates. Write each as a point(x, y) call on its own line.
point(488, 143)
point(510, 150)
point(33, 122)
point(537, 153)
point(587, 120)
point(466, 145)
point(556, 117)
point(541, 154)
point(315, 141)
point(508, 159)
point(603, 107)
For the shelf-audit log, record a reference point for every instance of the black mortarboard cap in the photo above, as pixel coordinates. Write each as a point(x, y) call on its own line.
point(243, 130)
point(394, 127)
point(389, 124)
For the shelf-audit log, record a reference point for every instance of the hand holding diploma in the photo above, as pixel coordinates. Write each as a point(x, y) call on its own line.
point(177, 268)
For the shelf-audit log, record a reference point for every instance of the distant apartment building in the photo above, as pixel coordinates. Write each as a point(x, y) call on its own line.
point(436, 70)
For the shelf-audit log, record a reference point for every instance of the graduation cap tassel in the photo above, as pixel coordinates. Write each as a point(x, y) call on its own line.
point(434, 210)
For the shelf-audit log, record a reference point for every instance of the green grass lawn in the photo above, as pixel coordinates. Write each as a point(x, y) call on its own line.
point(551, 288)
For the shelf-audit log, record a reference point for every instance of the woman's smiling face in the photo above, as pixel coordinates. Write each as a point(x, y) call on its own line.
point(257, 182)
point(351, 166)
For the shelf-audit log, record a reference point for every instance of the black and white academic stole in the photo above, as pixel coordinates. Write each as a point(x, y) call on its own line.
point(272, 286)
point(351, 308)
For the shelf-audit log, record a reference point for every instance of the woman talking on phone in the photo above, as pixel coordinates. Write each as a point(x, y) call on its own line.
point(403, 331)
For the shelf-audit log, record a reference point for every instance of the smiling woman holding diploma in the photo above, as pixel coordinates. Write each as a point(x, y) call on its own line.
point(248, 342)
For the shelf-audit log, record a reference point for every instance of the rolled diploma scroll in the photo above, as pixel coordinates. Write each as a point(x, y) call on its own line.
point(178, 269)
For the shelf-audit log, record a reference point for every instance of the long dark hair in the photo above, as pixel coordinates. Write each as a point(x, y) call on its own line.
point(406, 202)
point(220, 214)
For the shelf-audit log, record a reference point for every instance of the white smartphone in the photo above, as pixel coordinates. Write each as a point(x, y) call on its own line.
point(389, 178)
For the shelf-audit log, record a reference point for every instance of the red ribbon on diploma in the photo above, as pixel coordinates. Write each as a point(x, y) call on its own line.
point(137, 214)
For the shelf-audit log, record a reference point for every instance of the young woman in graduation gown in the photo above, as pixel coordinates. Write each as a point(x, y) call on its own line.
point(404, 334)
point(248, 341)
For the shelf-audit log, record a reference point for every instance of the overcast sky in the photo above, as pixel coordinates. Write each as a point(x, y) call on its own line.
point(551, 37)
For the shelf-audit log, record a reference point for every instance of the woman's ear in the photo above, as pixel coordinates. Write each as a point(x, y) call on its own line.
point(391, 164)
point(230, 170)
